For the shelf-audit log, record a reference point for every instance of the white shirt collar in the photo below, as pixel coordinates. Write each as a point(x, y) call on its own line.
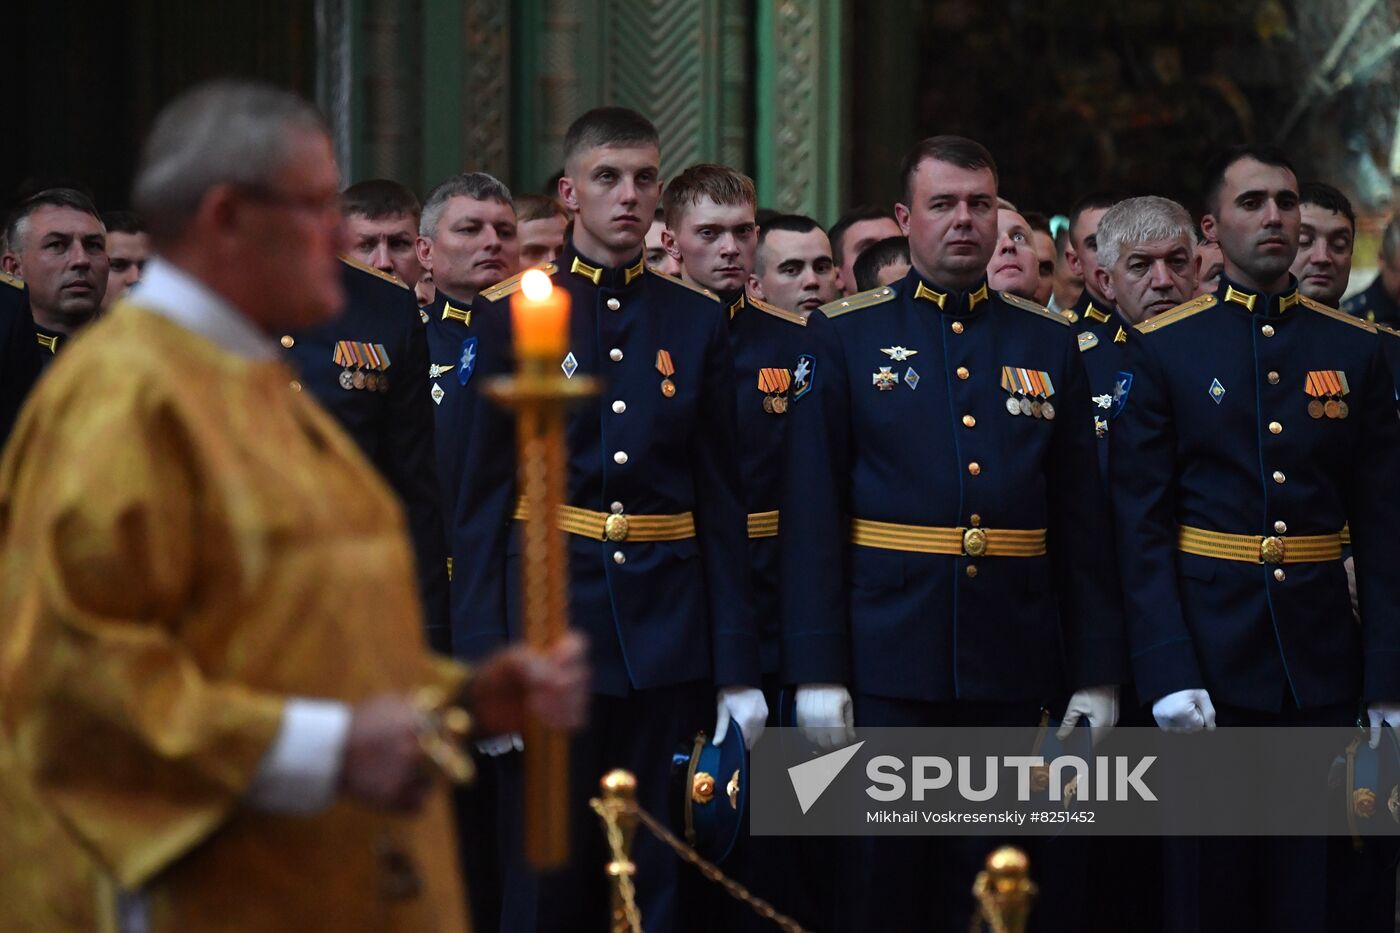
point(182, 299)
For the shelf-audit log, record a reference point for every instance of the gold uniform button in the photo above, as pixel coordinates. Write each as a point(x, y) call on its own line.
point(615, 355)
point(288, 341)
point(963, 373)
point(969, 421)
point(957, 327)
point(974, 468)
point(1280, 527)
point(1279, 477)
point(296, 386)
point(1275, 427)
point(1273, 378)
point(974, 519)
point(1267, 330)
point(972, 570)
point(619, 407)
point(614, 304)
point(619, 557)
point(620, 457)
point(616, 508)
point(1279, 575)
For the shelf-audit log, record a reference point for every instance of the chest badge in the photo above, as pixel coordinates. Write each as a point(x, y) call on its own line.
point(1327, 388)
point(667, 369)
point(911, 378)
point(1217, 391)
point(884, 379)
point(1121, 387)
point(803, 375)
point(466, 363)
point(437, 394)
point(570, 365)
point(899, 354)
point(774, 384)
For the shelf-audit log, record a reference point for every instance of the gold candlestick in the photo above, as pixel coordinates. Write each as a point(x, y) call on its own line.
point(1004, 890)
point(539, 393)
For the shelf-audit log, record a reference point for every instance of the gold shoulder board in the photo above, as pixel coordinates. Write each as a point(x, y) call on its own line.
point(512, 285)
point(1180, 313)
point(695, 288)
point(790, 316)
point(1025, 304)
point(868, 299)
point(1333, 313)
point(356, 264)
point(10, 280)
point(1386, 329)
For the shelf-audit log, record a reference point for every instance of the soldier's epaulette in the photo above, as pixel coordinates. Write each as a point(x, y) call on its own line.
point(512, 285)
point(356, 264)
point(866, 299)
point(695, 288)
point(1387, 329)
point(1180, 313)
point(1322, 309)
point(1025, 304)
point(11, 280)
point(792, 317)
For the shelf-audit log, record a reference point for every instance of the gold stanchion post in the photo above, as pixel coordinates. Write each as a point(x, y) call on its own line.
point(1004, 890)
point(539, 393)
point(617, 809)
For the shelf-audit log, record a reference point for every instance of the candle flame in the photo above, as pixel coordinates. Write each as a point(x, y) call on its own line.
point(536, 285)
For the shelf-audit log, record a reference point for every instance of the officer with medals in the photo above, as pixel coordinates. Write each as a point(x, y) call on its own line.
point(19, 356)
point(712, 234)
point(936, 479)
point(1380, 302)
point(1259, 423)
point(655, 517)
point(367, 368)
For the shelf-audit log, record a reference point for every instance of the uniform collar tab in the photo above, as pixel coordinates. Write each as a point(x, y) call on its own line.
point(1256, 302)
point(949, 301)
point(603, 276)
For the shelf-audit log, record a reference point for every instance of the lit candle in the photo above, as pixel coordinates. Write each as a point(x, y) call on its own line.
point(540, 315)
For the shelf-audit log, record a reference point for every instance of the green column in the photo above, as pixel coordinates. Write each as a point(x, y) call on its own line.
point(798, 106)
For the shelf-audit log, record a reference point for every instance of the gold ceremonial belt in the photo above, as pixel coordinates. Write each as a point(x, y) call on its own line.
point(972, 542)
point(602, 526)
point(1256, 549)
point(763, 524)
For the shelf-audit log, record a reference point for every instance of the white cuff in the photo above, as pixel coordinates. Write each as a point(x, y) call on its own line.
point(300, 772)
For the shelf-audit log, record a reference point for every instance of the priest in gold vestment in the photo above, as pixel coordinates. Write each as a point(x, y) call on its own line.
point(209, 630)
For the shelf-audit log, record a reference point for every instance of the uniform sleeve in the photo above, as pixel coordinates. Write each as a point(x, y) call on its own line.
point(1143, 484)
point(1080, 518)
point(408, 463)
point(486, 495)
point(722, 519)
point(19, 357)
point(1373, 512)
point(814, 520)
point(135, 749)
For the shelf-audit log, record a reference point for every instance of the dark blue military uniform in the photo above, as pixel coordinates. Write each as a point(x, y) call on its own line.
point(1258, 426)
point(1374, 305)
point(767, 345)
point(667, 620)
point(50, 342)
point(451, 357)
point(932, 542)
point(1103, 340)
point(19, 356)
point(369, 368)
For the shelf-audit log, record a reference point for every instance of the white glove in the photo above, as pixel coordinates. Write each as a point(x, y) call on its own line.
point(1388, 713)
point(500, 744)
point(1097, 704)
point(825, 714)
point(747, 707)
point(1184, 711)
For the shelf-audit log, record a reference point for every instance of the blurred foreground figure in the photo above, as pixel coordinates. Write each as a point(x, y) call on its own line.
point(213, 641)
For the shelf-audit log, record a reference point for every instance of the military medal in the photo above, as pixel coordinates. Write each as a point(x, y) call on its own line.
point(346, 378)
point(774, 383)
point(349, 363)
point(1013, 406)
point(884, 379)
point(1327, 387)
point(1047, 411)
point(1029, 392)
point(667, 369)
point(372, 382)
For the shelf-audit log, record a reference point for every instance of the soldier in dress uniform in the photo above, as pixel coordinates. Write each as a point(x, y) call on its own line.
point(1380, 302)
point(711, 232)
point(654, 522)
point(19, 355)
point(1259, 423)
point(367, 367)
point(936, 479)
point(1082, 255)
point(55, 242)
point(468, 238)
